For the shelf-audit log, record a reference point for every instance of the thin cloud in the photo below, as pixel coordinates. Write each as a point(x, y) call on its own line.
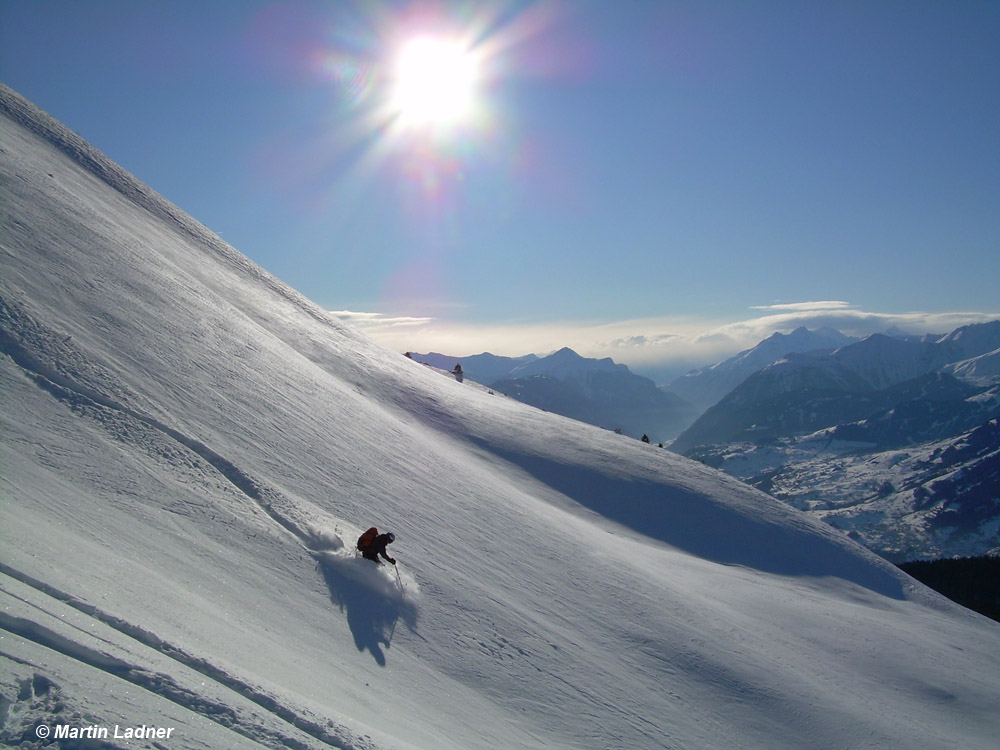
point(666, 346)
point(640, 340)
point(806, 306)
point(368, 321)
point(852, 321)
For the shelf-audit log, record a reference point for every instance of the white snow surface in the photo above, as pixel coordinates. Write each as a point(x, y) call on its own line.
point(982, 369)
point(190, 449)
point(868, 494)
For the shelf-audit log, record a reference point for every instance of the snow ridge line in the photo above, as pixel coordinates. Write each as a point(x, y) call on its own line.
point(76, 394)
point(24, 113)
point(161, 684)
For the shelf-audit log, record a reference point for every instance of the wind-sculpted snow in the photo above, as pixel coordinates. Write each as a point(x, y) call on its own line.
point(189, 450)
point(723, 530)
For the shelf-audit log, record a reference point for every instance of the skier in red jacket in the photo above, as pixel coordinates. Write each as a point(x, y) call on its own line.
point(372, 544)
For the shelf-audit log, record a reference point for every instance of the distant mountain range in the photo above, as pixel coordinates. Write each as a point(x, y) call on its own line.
point(596, 391)
point(804, 392)
point(892, 438)
point(704, 387)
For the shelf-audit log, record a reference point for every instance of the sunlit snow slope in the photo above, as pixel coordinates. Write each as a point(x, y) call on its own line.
point(190, 449)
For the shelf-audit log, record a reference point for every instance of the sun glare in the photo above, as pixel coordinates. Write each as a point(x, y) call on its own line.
point(434, 83)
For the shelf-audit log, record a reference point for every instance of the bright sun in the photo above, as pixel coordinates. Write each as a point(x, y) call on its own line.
point(434, 83)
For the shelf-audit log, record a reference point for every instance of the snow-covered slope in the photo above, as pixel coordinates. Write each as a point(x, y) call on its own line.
point(884, 361)
point(189, 449)
point(982, 369)
point(923, 501)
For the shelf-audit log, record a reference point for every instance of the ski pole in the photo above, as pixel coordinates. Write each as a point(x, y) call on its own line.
point(388, 641)
point(398, 578)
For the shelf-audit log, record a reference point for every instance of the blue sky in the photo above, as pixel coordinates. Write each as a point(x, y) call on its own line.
point(653, 181)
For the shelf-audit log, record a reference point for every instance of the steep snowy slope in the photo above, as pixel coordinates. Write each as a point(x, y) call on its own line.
point(189, 449)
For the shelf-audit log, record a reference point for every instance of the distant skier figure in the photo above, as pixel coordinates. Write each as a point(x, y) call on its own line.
point(372, 544)
point(457, 372)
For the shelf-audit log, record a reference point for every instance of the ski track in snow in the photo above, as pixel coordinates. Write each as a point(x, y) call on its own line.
point(162, 684)
point(76, 395)
point(275, 505)
point(326, 546)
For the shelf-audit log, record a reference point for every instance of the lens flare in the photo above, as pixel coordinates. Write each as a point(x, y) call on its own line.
point(434, 82)
point(352, 76)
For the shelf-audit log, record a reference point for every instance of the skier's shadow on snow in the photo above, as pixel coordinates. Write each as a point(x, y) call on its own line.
point(373, 606)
